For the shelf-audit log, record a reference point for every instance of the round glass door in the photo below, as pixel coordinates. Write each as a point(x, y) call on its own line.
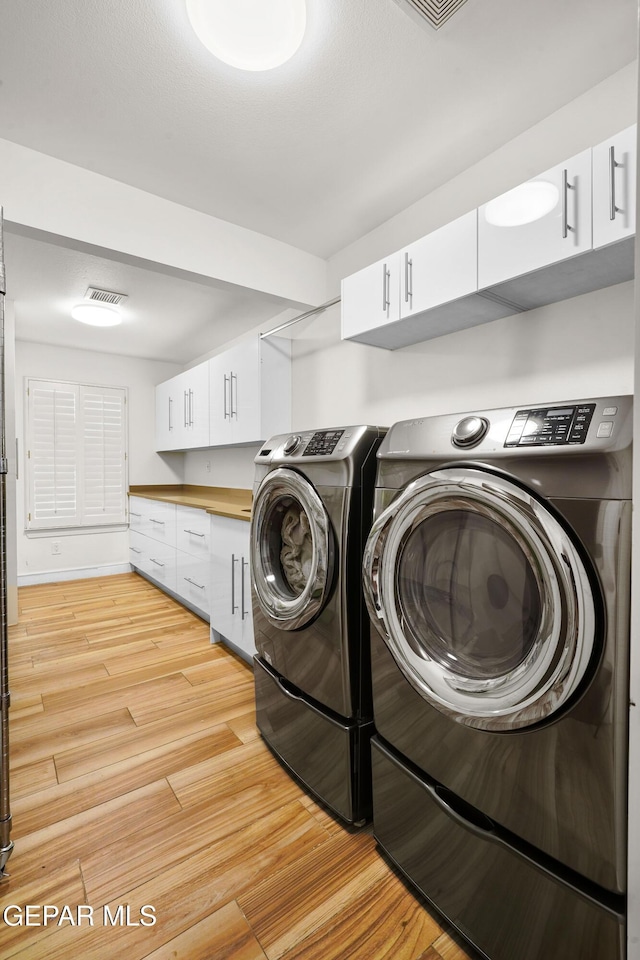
point(481, 597)
point(291, 550)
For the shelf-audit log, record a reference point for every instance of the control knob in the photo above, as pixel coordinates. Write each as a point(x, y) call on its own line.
point(292, 444)
point(469, 431)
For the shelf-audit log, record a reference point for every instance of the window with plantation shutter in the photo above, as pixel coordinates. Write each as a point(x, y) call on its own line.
point(76, 455)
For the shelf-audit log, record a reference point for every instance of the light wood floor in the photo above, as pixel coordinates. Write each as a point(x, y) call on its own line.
point(138, 778)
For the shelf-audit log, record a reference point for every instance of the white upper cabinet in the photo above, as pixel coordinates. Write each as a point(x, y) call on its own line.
point(441, 267)
point(508, 248)
point(250, 391)
point(182, 410)
point(371, 298)
point(425, 290)
point(614, 189)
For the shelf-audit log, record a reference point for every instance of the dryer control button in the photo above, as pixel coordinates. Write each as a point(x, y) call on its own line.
point(605, 429)
point(469, 431)
point(609, 411)
point(292, 444)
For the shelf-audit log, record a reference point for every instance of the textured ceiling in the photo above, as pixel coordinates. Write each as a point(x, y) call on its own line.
point(372, 113)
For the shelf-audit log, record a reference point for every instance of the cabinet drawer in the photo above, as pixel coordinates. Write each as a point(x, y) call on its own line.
point(160, 521)
point(193, 532)
point(160, 565)
point(137, 513)
point(138, 548)
point(193, 580)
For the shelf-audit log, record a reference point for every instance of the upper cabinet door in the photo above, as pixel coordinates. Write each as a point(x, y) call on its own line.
point(195, 393)
point(371, 297)
point(506, 251)
point(168, 412)
point(614, 188)
point(441, 267)
point(245, 374)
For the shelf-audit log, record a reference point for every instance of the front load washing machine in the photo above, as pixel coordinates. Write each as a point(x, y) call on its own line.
point(497, 578)
point(312, 510)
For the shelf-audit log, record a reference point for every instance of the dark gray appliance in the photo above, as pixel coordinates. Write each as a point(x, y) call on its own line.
point(497, 577)
point(312, 509)
point(6, 844)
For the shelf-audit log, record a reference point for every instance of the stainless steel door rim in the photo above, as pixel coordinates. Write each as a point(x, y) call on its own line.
point(285, 606)
point(512, 693)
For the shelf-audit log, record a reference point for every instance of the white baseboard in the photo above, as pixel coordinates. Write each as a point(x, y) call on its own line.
point(81, 573)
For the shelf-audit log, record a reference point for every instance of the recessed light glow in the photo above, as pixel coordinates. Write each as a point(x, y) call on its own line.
point(96, 314)
point(524, 204)
point(249, 34)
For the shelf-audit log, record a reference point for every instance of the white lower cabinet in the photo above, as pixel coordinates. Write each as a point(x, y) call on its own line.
point(170, 545)
point(193, 557)
point(231, 618)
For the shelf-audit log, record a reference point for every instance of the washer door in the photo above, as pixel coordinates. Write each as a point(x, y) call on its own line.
point(481, 597)
point(291, 550)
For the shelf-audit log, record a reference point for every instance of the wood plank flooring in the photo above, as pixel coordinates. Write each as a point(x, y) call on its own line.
point(139, 781)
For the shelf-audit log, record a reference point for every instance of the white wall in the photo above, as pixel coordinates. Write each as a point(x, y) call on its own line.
point(105, 549)
point(578, 348)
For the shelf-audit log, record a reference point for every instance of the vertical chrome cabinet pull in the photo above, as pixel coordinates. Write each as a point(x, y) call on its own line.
point(170, 423)
point(612, 184)
point(226, 413)
point(245, 613)
point(233, 413)
point(408, 278)
point(185, 407)
point(234, 560)
point(566, 186)
point(386, 302)
point(190, 408)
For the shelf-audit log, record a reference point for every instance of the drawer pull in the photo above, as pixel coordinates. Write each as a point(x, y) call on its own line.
point(132, 514)
point(199, 585)
point(135, 550)
point(156, 521)
point(194, 533)
point(157, 562)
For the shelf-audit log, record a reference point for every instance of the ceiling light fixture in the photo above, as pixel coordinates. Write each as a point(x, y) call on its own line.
point(249, 34)
point(524, 204)
point(96, 314)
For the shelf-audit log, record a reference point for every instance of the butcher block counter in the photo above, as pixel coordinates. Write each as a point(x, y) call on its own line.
point(223, 501)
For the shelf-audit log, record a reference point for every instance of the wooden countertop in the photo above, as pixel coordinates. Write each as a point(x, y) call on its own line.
point(223, 501)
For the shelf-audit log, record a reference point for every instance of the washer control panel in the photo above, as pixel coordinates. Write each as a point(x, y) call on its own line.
point(552, 426)
point(322, 443)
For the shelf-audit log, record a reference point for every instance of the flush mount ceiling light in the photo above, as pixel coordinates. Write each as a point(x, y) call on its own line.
point(249, 34)
point(96, 314)
point(524, 204)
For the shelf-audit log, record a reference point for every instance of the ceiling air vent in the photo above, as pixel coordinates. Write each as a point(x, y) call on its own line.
point(434, 12)
point(105, 296)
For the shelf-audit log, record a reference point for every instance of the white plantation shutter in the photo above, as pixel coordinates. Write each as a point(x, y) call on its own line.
point(103, 450)
point(76, 461)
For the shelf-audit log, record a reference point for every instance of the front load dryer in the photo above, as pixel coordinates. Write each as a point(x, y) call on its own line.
point(312, 510)
point(497, 577)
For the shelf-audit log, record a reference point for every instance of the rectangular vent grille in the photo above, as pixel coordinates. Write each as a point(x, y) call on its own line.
point(104, 296)
point(435, 12)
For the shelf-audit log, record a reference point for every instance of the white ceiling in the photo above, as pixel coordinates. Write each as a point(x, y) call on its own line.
point(372, 113)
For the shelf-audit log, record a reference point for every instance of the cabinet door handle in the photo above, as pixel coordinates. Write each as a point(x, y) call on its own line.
point(386, 303)
point(245, 613)
point(190, 408)
point(199, 585)
point(566, 186)
point(194, 533)
point(234, 560)
point(151, 520)
point(612, 184)
point(226, 412)
point(157, 562)
point(234, 413)
point(170, 423)
point(408, 278)
point(185, 407)
point(135, 550)
point(132, 514)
